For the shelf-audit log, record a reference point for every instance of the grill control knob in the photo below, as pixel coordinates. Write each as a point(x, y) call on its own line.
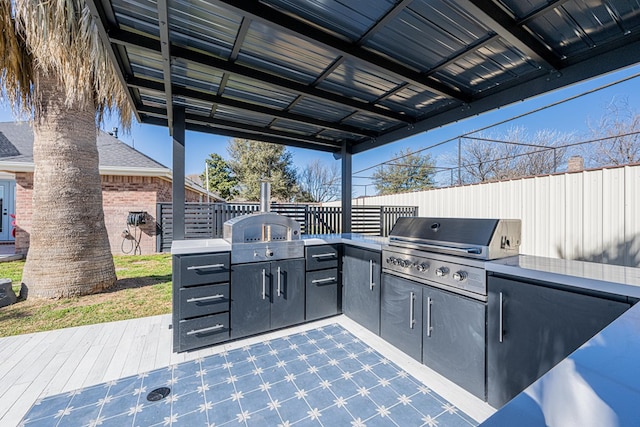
point(269, 252)
point(442, 271)
point(390, 260)
point(460, 275)
point(402, 263)
point(422, 267)
point(395, 261)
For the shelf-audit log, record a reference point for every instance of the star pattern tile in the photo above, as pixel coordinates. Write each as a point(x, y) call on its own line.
point(321, 377)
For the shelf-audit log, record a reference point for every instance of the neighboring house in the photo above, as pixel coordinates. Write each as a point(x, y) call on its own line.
point(131, 182)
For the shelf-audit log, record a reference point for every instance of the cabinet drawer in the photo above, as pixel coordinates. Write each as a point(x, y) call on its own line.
point(203, 331)
point(322, 293)
point(321, 257)
point(204, 300)
point(202, 269)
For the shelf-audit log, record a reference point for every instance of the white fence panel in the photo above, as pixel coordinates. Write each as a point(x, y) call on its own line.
point(591, 215)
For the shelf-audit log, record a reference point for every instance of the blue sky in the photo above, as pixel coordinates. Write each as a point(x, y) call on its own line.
point(571, 116)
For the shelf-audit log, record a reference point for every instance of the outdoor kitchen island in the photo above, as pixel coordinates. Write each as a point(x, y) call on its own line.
point(616, 287)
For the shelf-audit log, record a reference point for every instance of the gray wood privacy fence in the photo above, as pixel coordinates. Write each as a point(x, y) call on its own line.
point(205, 220)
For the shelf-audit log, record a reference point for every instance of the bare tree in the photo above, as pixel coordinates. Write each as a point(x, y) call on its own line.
point(513, 154)
point(319, 182)
point(618, 132)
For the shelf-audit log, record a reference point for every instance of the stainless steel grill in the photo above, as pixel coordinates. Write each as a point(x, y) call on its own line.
point(263, 236)
point(449, 253)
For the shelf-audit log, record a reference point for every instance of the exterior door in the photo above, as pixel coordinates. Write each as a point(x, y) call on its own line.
point(7, 208)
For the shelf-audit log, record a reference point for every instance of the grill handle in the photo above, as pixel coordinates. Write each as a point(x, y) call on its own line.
point(466, 251)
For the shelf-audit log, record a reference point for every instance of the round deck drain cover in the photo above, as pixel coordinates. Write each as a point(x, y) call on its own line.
point(158, 394)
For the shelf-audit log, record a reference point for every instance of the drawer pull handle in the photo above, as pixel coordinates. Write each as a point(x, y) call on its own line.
point(501, 319)
point(264, 283)
point(328, 279)
point(203, 330)
point(202, 267)
point(328, 254)
point(212, 297)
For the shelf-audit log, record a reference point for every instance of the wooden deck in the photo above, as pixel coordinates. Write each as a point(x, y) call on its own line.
point(47, 363)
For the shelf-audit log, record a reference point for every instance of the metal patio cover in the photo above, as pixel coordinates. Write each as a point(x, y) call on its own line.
point(328, 74)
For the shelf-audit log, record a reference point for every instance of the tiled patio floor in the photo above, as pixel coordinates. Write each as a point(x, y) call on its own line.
point(308, 378)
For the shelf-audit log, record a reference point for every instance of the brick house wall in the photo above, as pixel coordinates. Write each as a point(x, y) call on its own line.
point(120, 195)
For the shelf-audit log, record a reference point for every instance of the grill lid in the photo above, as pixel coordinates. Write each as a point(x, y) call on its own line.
point(470, 237)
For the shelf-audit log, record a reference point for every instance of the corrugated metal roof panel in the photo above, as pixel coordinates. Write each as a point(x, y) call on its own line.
point(523, 8)
point(320, 109)
point(344, 17)
point(193, 106)
point(276, 52)
point(493, 64)
point(427, 32)
point(576, 27)
point(145, 64)
point(224, 112)
point(203, 26)
point(195, 76)
point(151, 98)
point(248, 90)
point(335, 135)
point(138, 15)
point(296, 127)
point(369, 121)
point(416, 101)
point(355, 80)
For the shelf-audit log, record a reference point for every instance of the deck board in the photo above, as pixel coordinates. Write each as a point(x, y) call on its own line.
point(47, 363)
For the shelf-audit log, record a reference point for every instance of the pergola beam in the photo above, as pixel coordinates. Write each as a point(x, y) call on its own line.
point(165, 49)
point(127, 38)
point(499, 21)
point(218, 100)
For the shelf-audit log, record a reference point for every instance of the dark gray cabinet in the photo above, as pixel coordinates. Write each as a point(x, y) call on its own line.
point(531, 328)
point(453, 338)
point(322, 295)
point(266, 295)
point(200, 314)
point(361, 286)
point(323, 284)
point(401, 314)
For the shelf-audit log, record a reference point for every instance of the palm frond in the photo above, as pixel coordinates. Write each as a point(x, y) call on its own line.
point(59, 37)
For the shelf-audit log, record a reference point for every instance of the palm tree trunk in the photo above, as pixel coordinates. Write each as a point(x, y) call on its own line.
point(69, 253)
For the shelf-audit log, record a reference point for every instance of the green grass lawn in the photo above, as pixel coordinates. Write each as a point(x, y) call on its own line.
point(143, 289)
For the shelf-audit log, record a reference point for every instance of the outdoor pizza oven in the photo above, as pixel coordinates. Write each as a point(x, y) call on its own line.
point(263, 236)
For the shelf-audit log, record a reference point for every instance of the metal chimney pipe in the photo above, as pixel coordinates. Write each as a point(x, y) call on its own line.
point(265, 196)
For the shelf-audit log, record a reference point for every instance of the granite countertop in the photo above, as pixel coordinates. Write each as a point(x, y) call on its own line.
point(613, 279)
